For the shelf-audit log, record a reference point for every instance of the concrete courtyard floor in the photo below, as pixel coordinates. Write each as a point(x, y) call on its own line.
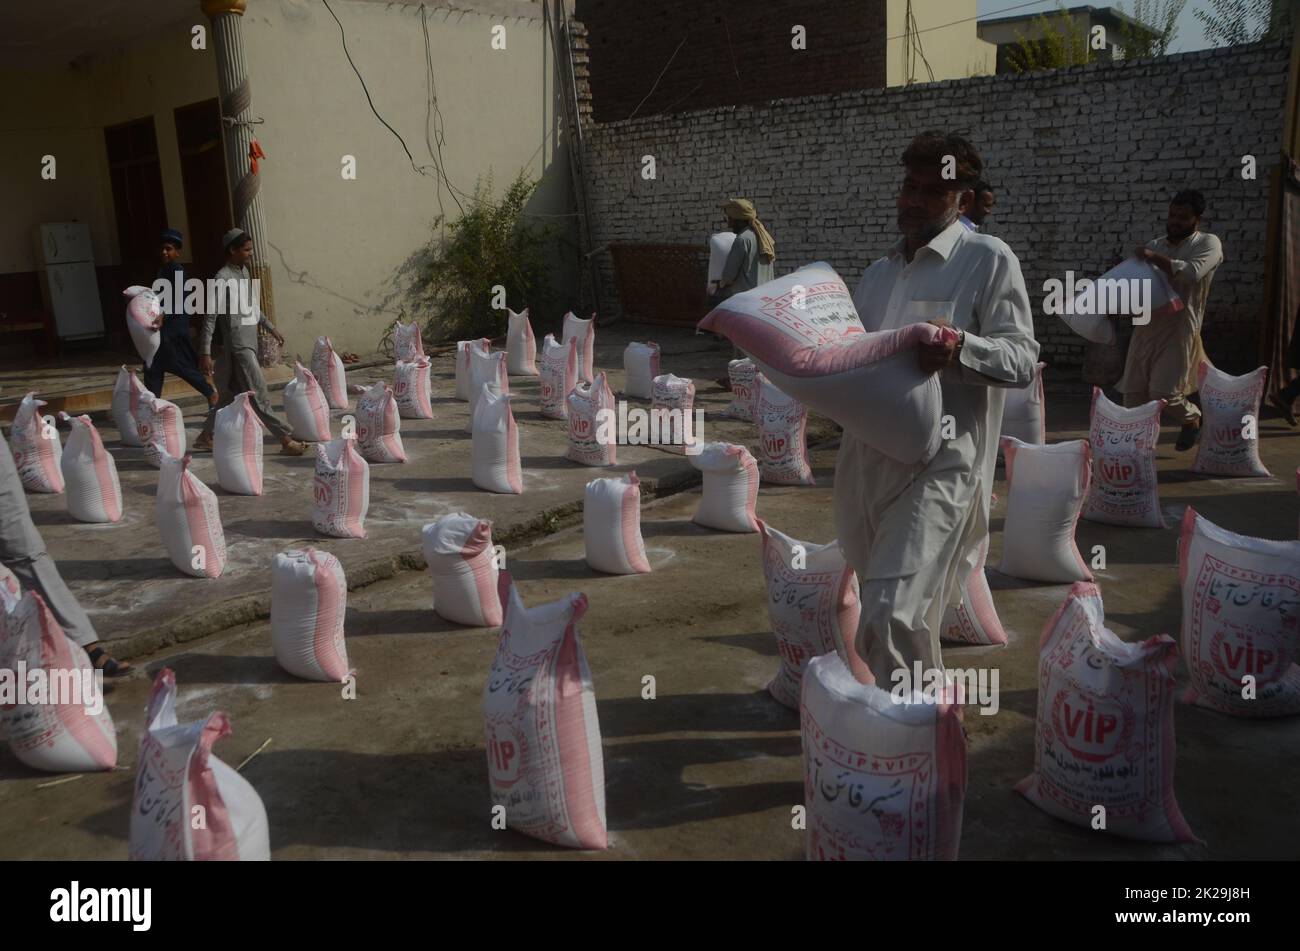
point(710, 768)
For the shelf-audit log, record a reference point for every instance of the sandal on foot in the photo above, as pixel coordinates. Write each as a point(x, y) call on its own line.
point(110, 666)
point(292, 448)
point(203, 443)
point(1285, 409)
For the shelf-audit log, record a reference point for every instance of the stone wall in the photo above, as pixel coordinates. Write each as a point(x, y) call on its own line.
point(1083, 160)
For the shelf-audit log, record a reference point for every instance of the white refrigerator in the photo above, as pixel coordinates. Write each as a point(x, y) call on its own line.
point(68, 285)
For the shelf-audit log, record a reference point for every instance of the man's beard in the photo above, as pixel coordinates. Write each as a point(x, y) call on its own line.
point(1177, 236)
point(924, 233)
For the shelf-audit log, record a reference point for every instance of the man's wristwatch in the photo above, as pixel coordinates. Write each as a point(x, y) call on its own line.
point(961, 342)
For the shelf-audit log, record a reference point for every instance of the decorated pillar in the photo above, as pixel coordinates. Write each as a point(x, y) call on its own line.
point(242, 150)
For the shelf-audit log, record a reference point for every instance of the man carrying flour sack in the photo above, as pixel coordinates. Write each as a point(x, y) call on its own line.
point(1165, 354)
point(912, 532)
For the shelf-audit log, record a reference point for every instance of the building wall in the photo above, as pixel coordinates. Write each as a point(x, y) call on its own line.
point(1083, 160)
point(342, 251)
point(735, 52)
point(947, 35)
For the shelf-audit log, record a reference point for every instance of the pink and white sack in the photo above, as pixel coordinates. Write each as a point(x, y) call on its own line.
point(463, 350)
point(730, 489)
point(74, 735)
point(1024, 414)
point(162, 429)
point(306, 406)
point(407, 345)
point(884, 780)
point(309, 600)
point(640, 367)
point(611, 526)
point(189, 520)
point(37, 450)
point(494, 446)
point(144, 320)
point(1230, 404)
point(583, 331)
point(490, 369)
point(813, 605)
point(462, 563)
point(521, 345)
point(125, 404)
point(545, 762)
point(782, 452)
point(1241, 619)
point(558, 376)
point(341, 490)
point(8, 584)
point(1048, 488)
point(327, 367)
point(803, 333)
point(743, 376)
point(1087, 313)
point(1124, 489)
point(237, 446)
point(975, 619)
point(379, 437)
point(411, 388)
point(1105, 731)
point(590, 443)
point(178, 779)
point(94, 492)
point(719, 247)
point(672, 402)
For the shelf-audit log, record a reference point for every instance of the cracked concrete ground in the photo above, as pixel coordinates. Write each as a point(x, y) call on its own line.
point(711, 767)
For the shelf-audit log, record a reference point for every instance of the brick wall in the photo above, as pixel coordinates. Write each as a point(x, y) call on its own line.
point(735, 51)
point(1084, 161)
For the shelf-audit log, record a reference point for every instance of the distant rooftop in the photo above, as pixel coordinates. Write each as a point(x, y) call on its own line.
point(1107, 16)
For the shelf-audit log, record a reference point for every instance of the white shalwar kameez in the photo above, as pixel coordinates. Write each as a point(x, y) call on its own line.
point(912, 532)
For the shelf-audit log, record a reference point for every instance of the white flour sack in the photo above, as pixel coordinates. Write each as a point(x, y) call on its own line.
point(611, 526)
point(640, 367)
point(975, 618)
point(126, 401)
point(719, 247)
point(8, 584)
point(583, 331)
point(462, 563)
point(521, 345)
point(730, 487)
point(883, 780)
point(743, 376)
point(1124, 489)
point(494, 446)
point(590, 443)
point(161, 427)
point(306, 406)
point(407, 345)
point(37, 451)
point(178, 779)
point(1241, 619)
point(341, 491)
point(327, 367)
point(782, 454)
point(189, 520)
point(545, 763)
point(94, 493)
point(411, 388)
point(672, 404)
point(804, 334)
point(76, 734)
point(309, 598)
point(1105, 733)
point(1048, 487)
point(485, 368)
point(559, 375)
point(237, 446)
point(379, 427)
point(463, 350)
point(1226, 448)
point(144, 319)
point(1024, 415)
point(813, 606)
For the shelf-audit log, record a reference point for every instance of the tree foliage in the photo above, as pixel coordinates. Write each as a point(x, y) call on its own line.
point(1061, 41)
point(1229, 22)
point(1161, 16)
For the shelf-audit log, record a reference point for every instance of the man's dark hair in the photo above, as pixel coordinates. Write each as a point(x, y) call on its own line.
point(928, 149)
point(1190, 198)
point(981, 187)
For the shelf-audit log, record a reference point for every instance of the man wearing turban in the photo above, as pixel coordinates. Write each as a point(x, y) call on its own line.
point(750, 261)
